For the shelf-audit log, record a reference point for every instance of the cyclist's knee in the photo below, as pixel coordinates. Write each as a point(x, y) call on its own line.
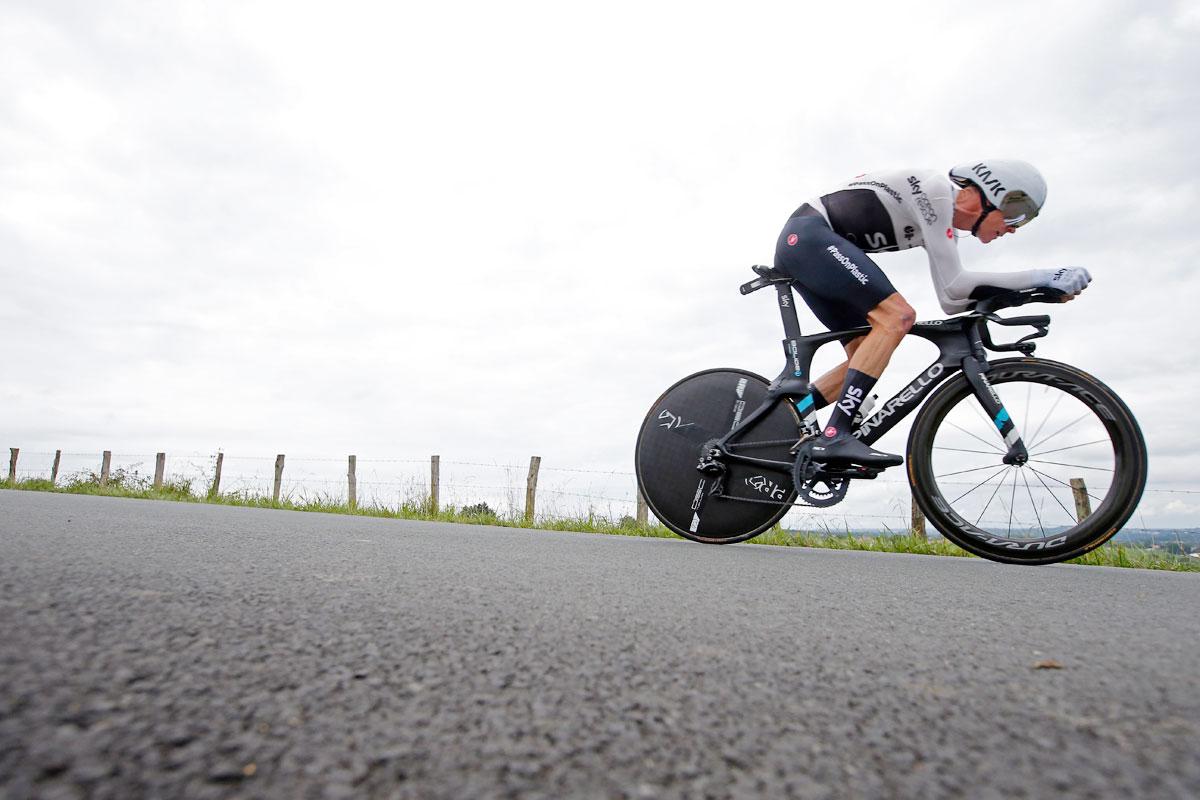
point(894, 315)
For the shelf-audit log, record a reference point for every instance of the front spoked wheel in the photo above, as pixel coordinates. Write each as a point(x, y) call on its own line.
point(1084, 445)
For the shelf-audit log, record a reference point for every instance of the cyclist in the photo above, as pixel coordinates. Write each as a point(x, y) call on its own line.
point(824, 247)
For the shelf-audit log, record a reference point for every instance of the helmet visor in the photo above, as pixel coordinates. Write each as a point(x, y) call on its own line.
point(1018, 208)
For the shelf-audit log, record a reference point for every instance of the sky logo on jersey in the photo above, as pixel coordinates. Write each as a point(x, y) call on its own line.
point(922, 201)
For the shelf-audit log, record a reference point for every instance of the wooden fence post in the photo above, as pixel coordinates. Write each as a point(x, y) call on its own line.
point(12, 464)
point(918, 520)
point(105, 463)
point(278, 477)
point(160, 466)
point(642, 513)
point(535, 464)
point(215, 489)
point(352, 489)
point(54, 469)
point(1083, 503)
point(435, 468)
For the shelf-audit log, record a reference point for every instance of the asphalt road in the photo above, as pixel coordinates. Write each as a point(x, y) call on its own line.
point(173, 650)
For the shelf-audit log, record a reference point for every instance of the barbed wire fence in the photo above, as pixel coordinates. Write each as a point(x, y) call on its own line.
point(535, 491)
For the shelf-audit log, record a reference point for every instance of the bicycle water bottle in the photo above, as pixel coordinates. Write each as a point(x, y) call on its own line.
point(864, 411)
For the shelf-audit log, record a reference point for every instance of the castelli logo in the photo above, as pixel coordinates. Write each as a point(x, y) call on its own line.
point(830, 432)
point(793, 239)
point(949, 233)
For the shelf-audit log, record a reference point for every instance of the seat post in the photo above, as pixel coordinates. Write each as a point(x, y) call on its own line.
point(787, 309)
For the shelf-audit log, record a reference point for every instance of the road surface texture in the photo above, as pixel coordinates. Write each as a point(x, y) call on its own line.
point(155, 649)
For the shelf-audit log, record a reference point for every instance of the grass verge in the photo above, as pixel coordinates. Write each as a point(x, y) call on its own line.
point(124, 484)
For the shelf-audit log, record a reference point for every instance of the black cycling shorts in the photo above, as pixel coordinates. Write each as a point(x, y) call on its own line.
point(836, 279)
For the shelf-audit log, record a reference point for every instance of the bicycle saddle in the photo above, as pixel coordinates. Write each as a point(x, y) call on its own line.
point(766, 277)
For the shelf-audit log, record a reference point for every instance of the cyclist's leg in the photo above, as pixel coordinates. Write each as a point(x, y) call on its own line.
point(890, 321)
point(844, 288)
point(828, 384)
point(826, 284)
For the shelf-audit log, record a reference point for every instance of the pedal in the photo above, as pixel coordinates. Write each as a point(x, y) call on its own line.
point(855, 471)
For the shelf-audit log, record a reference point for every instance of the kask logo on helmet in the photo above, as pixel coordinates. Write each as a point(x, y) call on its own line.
point(1015, 187)
point(988, 181)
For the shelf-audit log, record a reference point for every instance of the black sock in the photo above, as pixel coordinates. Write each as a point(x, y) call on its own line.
point(854, 391)
point(819, 400)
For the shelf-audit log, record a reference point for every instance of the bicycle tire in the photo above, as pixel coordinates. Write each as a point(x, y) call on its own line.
point(694, 410)
point(1100, 435)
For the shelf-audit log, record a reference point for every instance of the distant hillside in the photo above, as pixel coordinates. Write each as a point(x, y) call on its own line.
point(1175, 540)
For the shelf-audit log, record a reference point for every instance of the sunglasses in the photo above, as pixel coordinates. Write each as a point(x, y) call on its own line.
point(1017, 207)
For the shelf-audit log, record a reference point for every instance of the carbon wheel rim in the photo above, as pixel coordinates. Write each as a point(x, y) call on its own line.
point(1083, 477)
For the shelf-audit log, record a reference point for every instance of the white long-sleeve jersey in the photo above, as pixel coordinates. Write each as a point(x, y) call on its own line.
point(896, 210)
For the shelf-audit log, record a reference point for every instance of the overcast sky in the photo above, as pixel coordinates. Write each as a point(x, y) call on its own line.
point(495, 230)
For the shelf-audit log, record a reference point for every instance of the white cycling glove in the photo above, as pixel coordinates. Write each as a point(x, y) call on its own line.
point(1069, 280)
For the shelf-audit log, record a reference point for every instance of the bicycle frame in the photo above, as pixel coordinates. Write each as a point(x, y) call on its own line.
point(960, 342)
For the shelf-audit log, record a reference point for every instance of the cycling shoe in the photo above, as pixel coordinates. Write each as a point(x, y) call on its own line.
point(846, 449)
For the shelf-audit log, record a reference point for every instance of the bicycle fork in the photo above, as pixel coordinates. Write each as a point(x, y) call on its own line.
point(1017, 455)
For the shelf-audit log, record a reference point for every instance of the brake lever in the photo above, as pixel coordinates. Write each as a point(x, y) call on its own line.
point(1040, 323)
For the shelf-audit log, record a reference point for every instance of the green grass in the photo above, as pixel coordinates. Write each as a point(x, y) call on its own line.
point(884, 543)
point(131, 484)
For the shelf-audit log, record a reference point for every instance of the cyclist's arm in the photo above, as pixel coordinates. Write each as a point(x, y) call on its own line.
point(954, 284)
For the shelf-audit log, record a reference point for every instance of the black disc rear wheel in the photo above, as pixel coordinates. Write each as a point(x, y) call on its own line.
point(749, 499)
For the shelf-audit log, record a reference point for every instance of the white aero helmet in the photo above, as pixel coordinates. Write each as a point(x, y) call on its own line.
point(1015, 187)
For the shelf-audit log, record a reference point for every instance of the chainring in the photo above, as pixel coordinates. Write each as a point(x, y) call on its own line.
point(812, 487)
point(823, 492)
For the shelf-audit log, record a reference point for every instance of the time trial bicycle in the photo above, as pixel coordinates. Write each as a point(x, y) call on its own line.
point(724, 454)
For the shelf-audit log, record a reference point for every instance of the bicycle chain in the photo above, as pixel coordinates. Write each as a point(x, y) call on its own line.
point(771, 443)
point(764, 502)
point(793, 444)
